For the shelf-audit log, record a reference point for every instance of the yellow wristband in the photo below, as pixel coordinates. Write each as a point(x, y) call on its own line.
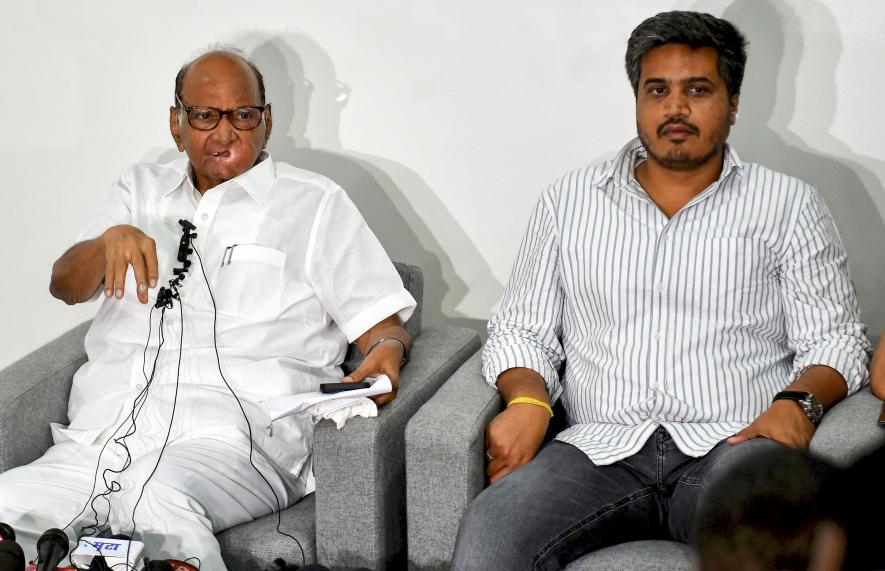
point(530, 400)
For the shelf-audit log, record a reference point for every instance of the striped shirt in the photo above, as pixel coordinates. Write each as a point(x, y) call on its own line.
point(695, 322)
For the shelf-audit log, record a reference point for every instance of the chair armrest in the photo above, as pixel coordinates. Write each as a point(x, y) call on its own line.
point(33, 393)
point(445, 462)
point(849, 430)
point(360, 469)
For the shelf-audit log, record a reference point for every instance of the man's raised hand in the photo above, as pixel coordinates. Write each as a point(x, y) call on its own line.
point(128, 246)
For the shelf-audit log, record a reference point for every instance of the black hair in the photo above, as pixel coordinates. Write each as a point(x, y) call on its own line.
point(694, 29)
point(762, 513)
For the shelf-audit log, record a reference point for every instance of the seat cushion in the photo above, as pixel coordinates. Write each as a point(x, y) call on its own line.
point(638, 556)
point(247, 546)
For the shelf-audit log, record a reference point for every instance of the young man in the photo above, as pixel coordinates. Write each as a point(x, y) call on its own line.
point(686, 308)
point(285, 273)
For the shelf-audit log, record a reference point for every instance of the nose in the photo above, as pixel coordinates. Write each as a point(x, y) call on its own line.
point(224, 132)
point(677, 104)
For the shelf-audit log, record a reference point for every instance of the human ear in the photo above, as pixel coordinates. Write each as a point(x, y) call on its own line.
point(175, 128)
point(733, 113)
point(268, 123)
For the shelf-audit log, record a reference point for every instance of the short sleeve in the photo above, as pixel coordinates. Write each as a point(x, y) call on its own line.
point(353, 277)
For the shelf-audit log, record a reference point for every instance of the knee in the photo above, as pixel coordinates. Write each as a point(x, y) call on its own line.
point(737, 454)
point(488, 534)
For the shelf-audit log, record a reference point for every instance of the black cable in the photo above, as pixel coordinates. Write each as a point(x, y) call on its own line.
point(171, 418)
point(137, 406)
point(242, 409)
point(136, 409)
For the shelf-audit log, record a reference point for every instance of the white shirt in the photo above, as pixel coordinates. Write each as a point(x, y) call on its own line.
point(296, 275)
point(693, 322)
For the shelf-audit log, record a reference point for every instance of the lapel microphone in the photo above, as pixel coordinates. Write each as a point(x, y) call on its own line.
point(166, 295)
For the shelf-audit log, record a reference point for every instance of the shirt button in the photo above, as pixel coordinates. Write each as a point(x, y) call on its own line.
point(665, 236)
point(655, 387)
point(658, 336)
point(204, 217)
point(139, 386)
point(660, 288)
point(656, 418)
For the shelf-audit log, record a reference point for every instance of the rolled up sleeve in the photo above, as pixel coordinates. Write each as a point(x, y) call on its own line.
point(526, 330)
point(823, 317)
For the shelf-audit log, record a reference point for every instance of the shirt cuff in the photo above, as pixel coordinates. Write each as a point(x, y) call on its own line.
point(498, 359)
point(850, 363)
point(402, 303)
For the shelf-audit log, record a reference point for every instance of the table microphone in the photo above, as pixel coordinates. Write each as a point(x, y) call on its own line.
point(12, 558)
point(6, 532)
point(52, 547)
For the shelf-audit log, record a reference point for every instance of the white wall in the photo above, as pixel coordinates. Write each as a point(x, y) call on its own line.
point(443, 119)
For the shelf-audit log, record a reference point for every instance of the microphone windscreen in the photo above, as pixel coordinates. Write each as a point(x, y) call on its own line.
point(52, 547)
point(12, 558)
point(6, 531)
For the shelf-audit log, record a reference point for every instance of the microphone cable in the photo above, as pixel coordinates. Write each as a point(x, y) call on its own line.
point(138, 404)
point(171, 417)
point(242, 409)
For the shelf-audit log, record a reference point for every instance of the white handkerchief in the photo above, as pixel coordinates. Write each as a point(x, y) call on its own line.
point(282, 407)
point(340, 410)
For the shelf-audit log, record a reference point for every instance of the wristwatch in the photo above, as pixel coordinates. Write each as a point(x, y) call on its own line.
point(809, 403)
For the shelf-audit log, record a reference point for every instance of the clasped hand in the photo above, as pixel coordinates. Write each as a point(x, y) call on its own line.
point(384, 359)
point(514, 437)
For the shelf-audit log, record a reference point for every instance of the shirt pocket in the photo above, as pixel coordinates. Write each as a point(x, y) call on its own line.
point(249, 283)
point(734, 281)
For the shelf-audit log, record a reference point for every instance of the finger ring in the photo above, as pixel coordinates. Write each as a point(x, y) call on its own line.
point(489, 455)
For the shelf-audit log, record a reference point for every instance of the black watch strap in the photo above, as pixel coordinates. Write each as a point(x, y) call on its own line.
point(809, 403)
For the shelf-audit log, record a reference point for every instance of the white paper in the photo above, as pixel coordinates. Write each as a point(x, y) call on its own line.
point(282, 407)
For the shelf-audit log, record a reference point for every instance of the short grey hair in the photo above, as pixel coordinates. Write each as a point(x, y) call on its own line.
point(697, 30)
point(219, 49)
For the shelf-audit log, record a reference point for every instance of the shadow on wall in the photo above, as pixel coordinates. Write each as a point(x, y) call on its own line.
point(374, 184)
point(763, 135)
point(368, 180)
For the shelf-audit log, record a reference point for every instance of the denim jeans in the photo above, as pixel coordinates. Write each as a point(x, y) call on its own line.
point(561, 506)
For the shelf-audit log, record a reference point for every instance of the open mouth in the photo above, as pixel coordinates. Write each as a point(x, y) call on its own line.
point(220, 155)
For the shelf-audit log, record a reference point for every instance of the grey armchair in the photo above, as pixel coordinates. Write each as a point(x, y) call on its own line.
point(445, 470)
point(356, 518)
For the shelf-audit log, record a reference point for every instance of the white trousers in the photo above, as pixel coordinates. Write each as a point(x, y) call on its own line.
point(201, 486)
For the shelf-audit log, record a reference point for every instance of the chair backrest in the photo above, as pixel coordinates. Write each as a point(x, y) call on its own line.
point(413, 280)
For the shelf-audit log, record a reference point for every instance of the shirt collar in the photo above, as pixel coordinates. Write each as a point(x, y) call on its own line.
point(622, 169)
point(257, 181)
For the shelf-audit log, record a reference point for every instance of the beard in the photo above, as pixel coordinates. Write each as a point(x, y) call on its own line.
point(677, 158)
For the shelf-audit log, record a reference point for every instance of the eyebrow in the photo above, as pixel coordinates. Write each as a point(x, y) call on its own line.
point(694, 79)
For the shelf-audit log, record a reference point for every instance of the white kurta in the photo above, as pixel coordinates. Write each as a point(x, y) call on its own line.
point(296, 275)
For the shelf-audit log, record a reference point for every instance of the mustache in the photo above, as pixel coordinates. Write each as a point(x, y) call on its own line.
point(677, 121)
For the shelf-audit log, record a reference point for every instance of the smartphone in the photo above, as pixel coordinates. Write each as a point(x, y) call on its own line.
point(330, 388)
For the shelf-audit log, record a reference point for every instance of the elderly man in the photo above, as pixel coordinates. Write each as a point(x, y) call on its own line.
point(685, 307)
point(285, 273)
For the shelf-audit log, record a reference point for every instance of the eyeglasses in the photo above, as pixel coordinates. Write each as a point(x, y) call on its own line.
point(207, 118)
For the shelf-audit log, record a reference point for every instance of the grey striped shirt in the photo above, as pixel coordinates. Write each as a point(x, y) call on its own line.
point(635, 320)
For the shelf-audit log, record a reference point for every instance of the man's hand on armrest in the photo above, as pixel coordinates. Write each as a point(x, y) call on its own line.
point(877, 370)
point(515, 435)
point(385, 348)
point(784, 421)
point(80, 271)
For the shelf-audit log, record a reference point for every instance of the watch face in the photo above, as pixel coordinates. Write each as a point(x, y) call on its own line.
point(813, 409)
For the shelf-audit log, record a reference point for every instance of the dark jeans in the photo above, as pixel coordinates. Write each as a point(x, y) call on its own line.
point(561, 506)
